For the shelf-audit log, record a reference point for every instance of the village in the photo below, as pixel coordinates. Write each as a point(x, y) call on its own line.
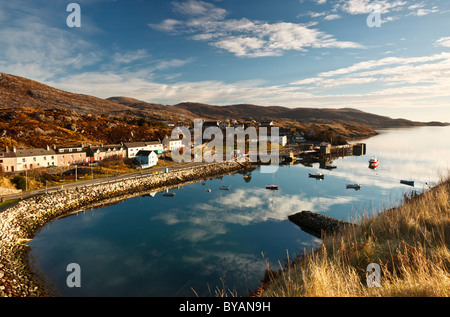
point(144, 153)
point(36, 168)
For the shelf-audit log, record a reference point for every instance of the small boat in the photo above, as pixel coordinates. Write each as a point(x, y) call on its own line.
point(354, 186)
point(169, 194)
point(406, 182)
point(373, 163)
point(208, 190)
point(330, 166)
point(222, 187)
point(273, 186)
point(318, 175)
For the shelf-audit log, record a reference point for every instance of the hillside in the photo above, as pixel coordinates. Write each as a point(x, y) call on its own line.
point(35, 115)
point(33, 128)
point(300, 115)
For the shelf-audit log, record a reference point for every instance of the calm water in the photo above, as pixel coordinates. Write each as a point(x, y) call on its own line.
point(167, 246)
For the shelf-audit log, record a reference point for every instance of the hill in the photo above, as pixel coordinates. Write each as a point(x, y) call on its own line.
point(35, 115)
point(300, 115)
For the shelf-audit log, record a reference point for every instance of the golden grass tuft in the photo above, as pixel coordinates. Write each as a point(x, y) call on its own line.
point(410, 243)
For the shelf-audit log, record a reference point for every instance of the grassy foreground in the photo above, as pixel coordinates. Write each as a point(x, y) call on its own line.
point(409, 243)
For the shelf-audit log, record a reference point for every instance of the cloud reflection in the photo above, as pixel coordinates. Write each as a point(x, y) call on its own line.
point(243, 206)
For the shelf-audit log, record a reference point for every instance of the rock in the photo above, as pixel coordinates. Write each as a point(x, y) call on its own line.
point(317, 224)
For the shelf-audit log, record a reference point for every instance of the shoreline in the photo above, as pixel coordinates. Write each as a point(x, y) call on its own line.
point(19, 223)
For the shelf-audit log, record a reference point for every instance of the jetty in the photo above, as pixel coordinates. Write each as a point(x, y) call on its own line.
point(321, 151)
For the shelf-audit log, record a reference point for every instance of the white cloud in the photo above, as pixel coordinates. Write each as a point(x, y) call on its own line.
point(332, 17)
point(247, 38)
point(130, 56)
point(443, 41)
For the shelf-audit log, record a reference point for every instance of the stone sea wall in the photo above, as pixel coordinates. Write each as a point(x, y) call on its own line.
point(19, 223)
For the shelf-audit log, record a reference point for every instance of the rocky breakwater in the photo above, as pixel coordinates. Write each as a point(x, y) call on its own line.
point(317, 224)
point(19, 223)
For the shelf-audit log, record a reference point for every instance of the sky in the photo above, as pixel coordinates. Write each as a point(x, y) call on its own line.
point(389, 57)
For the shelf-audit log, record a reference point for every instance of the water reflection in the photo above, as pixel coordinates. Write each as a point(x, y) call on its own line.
point(164, 246)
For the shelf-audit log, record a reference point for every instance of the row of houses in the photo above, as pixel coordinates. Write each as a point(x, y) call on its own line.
point(16, 160)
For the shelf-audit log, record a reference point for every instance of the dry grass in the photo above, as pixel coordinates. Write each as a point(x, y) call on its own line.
point(410, 243)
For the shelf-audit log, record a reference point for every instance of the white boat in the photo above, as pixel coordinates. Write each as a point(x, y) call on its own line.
point(223, 187)
point(330, 166)
point(373, 163)
point(354, 186)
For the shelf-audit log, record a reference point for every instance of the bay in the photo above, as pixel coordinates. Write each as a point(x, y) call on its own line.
point(200, 242)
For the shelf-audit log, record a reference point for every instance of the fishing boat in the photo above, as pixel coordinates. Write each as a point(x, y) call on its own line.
point(354, 186)
point(317, 175)
point(373, 163)
point(406, 182)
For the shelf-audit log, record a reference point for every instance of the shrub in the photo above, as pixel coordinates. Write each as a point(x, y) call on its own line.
point(20, 182)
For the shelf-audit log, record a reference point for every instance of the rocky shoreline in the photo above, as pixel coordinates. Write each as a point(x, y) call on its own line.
point(19, 223)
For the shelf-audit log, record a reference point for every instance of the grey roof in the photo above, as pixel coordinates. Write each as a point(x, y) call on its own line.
point(134, 144)
point(33, 152)
point(8, 153)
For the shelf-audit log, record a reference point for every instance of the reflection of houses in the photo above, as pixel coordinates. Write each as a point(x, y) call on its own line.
point(172, 144)
point(146, 159)
point(99, 153)
point(70, 155)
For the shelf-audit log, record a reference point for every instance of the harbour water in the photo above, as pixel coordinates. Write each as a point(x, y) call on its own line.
point(200, 240)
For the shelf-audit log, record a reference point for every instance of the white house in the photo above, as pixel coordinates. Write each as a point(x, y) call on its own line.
point(146, 159)
point(34, 158)
point(133, 148)
point(172, 144)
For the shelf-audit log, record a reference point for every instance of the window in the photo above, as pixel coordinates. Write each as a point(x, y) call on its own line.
point(23, 160)
point(34, 159)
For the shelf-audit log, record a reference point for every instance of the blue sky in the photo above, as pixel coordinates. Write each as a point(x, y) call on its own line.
point(292, 53)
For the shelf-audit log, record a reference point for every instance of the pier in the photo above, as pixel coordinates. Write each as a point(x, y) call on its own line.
point(322, 151)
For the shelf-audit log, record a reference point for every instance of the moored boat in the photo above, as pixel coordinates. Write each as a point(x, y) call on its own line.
point(318, 175)
point(373, 163)
point(406, 182)
point(272, 187)
point(354, 186)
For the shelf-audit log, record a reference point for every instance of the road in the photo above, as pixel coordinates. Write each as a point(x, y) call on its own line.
point(81, 183)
